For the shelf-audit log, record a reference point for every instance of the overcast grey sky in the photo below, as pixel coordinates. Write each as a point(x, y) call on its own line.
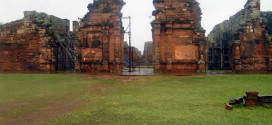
point(214, 12)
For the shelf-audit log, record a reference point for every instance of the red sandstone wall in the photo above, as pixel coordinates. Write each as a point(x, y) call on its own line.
point(31, 44)
point(178, 38)
point(252, 52)
point(246, 35)
point(23, 49)
point(101, 38)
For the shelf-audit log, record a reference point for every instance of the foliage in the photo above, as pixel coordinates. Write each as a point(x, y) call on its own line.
point(34, 32)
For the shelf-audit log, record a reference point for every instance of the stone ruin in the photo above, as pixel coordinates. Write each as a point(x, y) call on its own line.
point(242, 43)
point(147, 55)
point(250, 99)
point(268, 16)
point(101, 38)
point(178, 39)
point(41, 42)
point(38, 42)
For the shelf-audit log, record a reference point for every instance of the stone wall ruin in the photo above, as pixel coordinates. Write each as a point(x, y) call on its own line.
point(38, 42)
point(101, 38)
point(178, 39)
point(268, 16)
point(241, 43)
point(41, 42)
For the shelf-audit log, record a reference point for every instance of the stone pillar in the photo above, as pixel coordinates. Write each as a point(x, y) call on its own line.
point(117, 49)
point(111, 51)
point(202, 61)
point(169, 49)
point(201, 64)
point(75, 26)
point(237, 64)
point(270, 57)
point(105, 49)
point(156, 47)
point(67, 25)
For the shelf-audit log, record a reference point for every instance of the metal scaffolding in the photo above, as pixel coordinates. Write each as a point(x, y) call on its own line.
point(130, 53)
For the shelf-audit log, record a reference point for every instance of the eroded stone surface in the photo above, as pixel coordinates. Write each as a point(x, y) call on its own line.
point(38, 42)
point(268, 16)
point(178, 38)
point(241, 43)
point(101, 38)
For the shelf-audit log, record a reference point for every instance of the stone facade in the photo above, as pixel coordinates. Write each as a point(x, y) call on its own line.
point(268, 16)
point(38, 42)
point(178, 39)
point(101, 38)
point(75, 26)
point(220, 47)
point(241, 43)
point(147, 55)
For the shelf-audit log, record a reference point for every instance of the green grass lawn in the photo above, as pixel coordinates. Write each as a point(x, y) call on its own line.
point(167, 100)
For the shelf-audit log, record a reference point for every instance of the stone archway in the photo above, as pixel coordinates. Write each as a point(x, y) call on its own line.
point(178, 38)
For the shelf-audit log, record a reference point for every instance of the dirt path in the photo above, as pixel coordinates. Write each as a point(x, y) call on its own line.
point(50, 111)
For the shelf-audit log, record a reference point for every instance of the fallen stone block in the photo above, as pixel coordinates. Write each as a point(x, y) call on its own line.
point(236, 101)
point(265, 99)
point(229, 107)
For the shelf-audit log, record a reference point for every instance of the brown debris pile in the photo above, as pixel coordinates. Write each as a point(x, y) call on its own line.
point(178, 38)
point(251, 99)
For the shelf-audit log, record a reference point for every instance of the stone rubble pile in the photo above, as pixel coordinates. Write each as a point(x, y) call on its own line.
point(250, 99)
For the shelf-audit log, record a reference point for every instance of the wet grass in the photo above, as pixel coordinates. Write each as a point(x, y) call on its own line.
point(137, 100)
point(24, 96)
